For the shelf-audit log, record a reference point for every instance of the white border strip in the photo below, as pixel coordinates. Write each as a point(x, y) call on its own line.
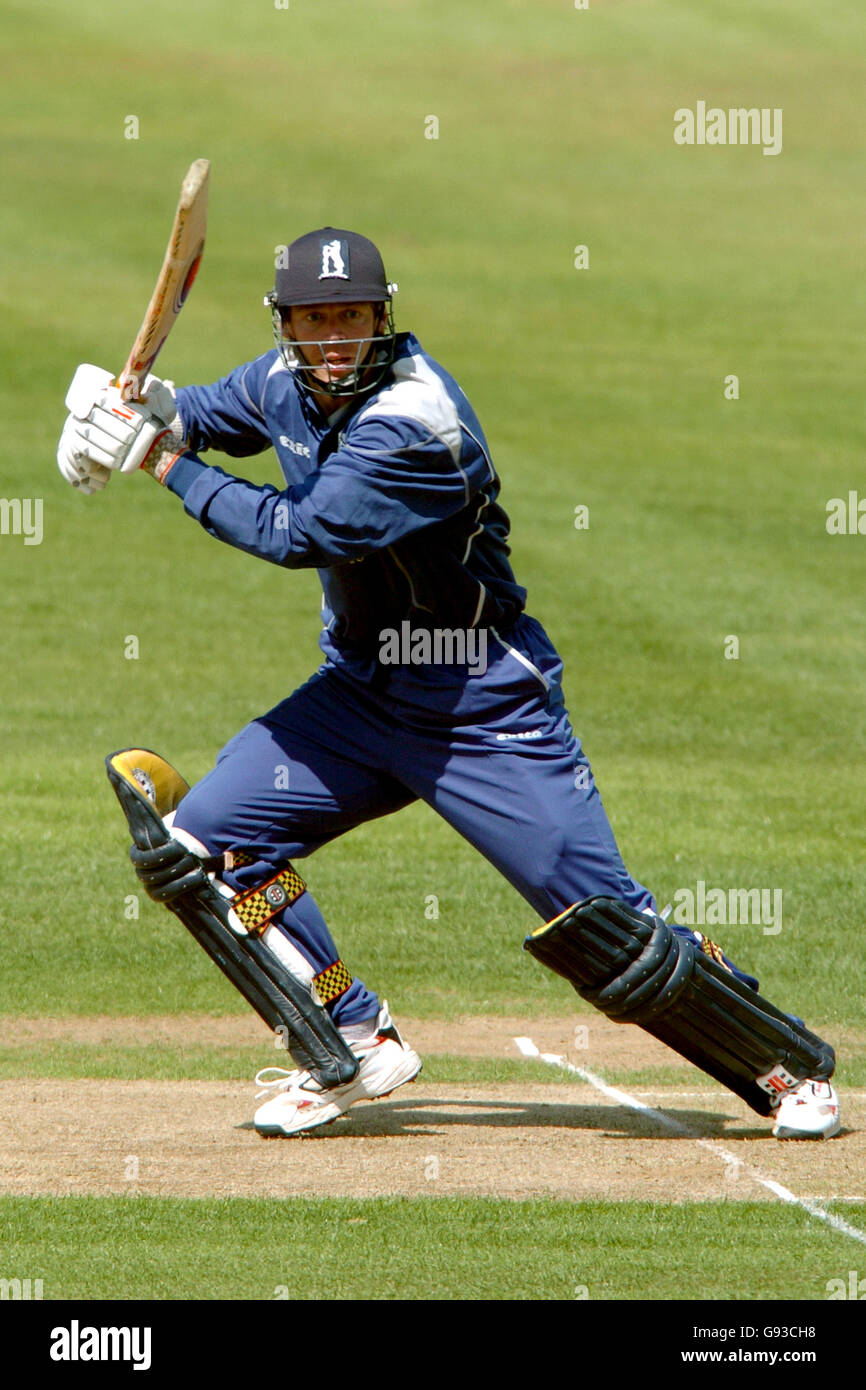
point(524, 660)
point(527, 1047)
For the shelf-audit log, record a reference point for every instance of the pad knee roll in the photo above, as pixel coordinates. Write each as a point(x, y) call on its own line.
point(168, 871)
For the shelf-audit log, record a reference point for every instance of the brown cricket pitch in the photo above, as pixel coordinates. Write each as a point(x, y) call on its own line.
point(515, 1140)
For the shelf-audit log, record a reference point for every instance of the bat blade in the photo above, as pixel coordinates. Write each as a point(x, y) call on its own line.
point(179, 268)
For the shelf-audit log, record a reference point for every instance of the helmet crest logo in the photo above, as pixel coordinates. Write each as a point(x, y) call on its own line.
point(335, 260)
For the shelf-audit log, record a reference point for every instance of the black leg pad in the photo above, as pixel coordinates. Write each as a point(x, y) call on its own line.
point(635, 969)
point(172, 875)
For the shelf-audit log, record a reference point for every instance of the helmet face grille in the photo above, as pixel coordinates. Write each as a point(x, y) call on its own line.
point(373, 357)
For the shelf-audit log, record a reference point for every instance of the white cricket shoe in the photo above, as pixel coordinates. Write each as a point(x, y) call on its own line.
point(809, 1112)
point(386, 1062)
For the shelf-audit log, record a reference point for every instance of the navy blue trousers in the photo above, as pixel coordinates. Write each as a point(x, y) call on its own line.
point(491, 751)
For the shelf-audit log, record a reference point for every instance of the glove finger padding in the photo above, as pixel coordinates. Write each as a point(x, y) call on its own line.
point(85, 446)
point(120, 434)
point(106, 430)
point(69, 457)
point(94, 481)
point(150, 417)
point(111, 442)
point(78, 470)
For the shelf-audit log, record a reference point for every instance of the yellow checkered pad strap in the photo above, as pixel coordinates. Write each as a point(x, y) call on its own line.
point(259, 905)
point(714, 951)
point(332, 982)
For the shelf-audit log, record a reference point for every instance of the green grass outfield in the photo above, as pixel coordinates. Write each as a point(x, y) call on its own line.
point(602, 387)
point(404, 1248)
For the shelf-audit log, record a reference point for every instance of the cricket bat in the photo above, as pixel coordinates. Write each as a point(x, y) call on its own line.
point(179, 267)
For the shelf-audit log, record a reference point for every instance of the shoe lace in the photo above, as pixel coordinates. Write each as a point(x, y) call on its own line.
point(281, 1079)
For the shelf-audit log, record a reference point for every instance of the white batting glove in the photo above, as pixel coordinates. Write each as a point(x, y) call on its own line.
point(107, 433)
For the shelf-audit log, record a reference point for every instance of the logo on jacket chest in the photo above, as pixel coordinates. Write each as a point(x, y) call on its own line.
point(294, 446)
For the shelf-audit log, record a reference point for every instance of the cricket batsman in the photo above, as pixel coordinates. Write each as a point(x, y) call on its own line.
point(435, 684)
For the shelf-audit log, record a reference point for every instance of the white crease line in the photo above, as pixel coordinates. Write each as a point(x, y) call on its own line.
point(527, 1047)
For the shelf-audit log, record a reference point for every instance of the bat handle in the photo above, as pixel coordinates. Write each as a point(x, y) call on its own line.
point(129, 385)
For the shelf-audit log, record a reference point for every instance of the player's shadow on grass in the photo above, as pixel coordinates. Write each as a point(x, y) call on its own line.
point(409, 1117)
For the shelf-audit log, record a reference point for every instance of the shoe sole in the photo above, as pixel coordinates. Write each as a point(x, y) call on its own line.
point(278, 1132)
point(274, 1131)
point(801, 1134)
